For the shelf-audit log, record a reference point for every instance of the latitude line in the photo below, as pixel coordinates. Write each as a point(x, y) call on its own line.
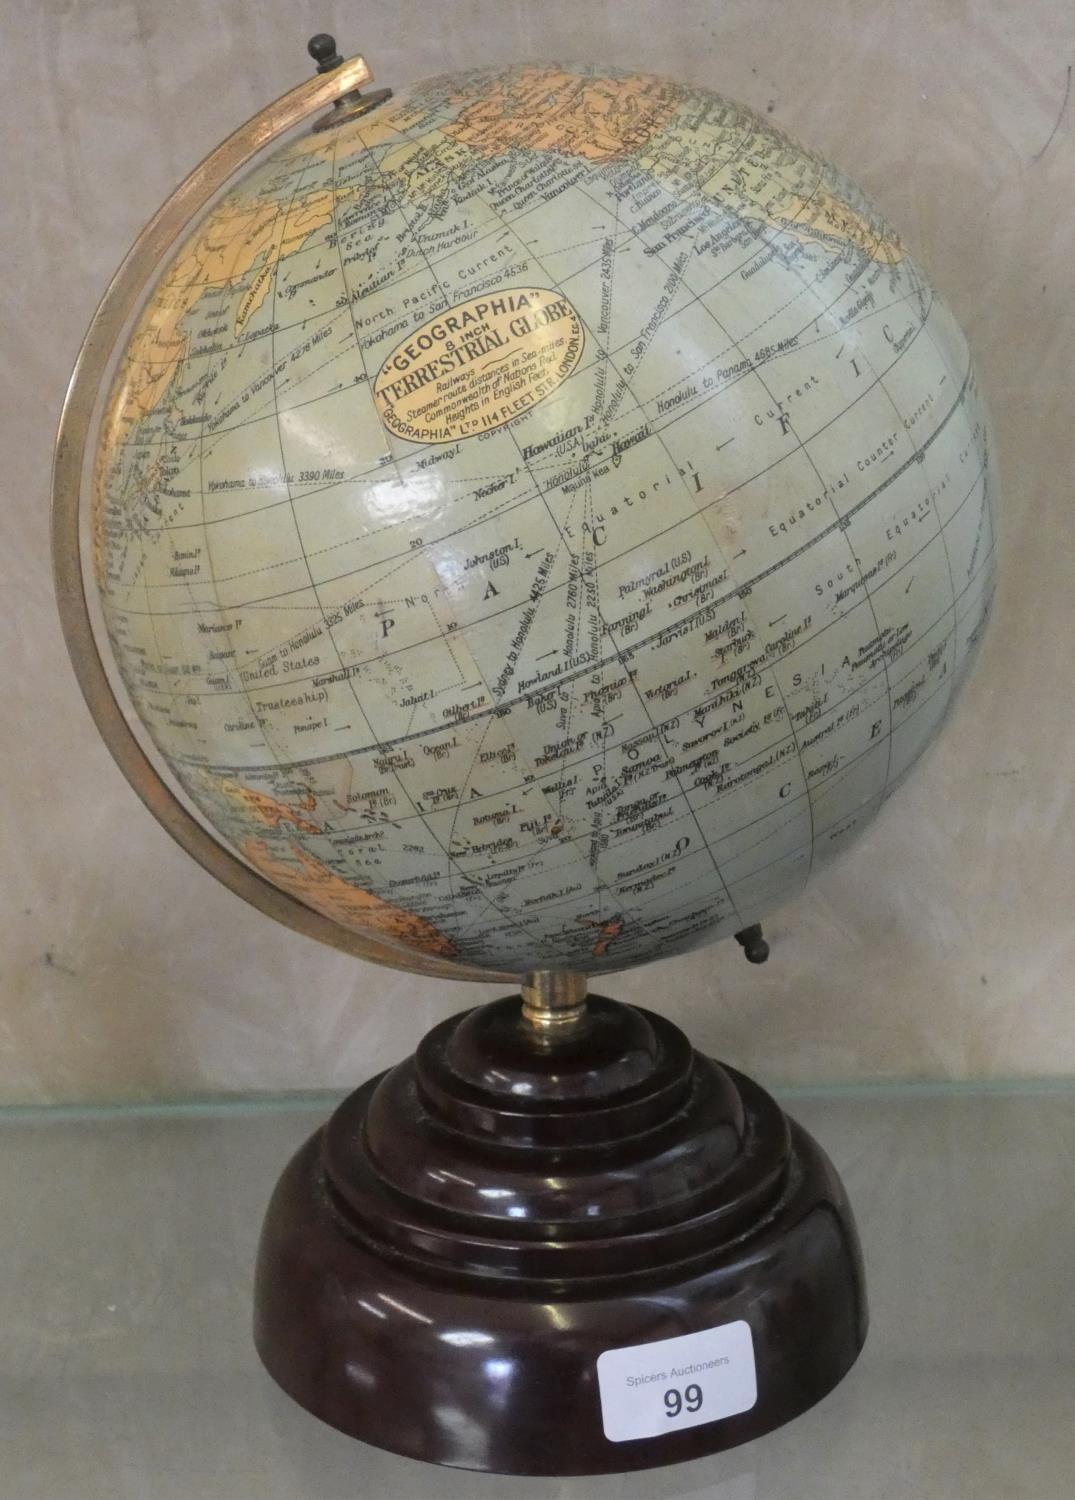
point(842, 771)
point(646, 735)
point(670, 631)
point(673, 419)
point(834, 777)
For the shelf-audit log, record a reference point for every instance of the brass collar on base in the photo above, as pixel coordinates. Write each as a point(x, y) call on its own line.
point(554, 1001)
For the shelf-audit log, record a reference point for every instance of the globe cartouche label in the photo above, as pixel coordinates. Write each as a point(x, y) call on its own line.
point(479, 364)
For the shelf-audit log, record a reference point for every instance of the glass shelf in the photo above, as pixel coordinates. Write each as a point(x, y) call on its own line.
point(127, 1370)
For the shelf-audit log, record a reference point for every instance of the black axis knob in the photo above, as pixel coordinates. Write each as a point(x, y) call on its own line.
point(753, 943)
point(322, 48)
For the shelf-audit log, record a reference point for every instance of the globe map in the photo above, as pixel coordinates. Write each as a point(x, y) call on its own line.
point(541, 520)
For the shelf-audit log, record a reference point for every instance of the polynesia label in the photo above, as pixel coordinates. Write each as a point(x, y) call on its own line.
point(669, 1384)
point(479, 364)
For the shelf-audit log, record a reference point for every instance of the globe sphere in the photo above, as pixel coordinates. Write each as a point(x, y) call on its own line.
point(539, 521)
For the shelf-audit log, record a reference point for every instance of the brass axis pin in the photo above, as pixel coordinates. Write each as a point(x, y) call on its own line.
point(322, 48)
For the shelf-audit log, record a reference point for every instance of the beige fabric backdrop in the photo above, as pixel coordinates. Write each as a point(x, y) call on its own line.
point(944, 945)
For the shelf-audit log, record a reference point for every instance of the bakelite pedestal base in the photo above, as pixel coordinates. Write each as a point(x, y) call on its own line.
point(443, 1263)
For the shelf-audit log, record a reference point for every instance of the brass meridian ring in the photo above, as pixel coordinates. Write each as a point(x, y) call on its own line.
point(117, 306)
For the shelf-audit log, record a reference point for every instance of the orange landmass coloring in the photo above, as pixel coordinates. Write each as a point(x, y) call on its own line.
point(240, 232)
point(825, 216)
point(315, 884)
point(229, 244)
point(606, 933)
point(603, 119)
point(268, 809)
point(546, 109)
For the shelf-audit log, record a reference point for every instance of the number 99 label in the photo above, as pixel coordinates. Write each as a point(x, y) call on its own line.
point(675, 1402)
point(670, 1384)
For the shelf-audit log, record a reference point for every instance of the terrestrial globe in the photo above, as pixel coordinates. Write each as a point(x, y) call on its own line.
point(522, 528)
point(537, 521)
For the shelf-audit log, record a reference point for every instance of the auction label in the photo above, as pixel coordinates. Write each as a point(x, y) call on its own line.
point(674, 1383)
point(478, 365)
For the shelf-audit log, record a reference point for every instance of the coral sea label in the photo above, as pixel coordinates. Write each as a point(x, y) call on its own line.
point(479, 364)
point(670, 1384)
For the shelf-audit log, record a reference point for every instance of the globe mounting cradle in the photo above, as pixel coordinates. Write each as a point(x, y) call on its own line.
point(556, 1240)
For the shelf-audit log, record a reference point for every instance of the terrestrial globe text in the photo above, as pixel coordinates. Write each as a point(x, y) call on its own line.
point(541, 520)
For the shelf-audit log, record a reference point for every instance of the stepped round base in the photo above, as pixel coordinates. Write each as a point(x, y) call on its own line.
point(400, 1299)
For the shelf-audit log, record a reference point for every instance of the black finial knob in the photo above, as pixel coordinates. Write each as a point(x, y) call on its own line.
point(322, 48)
point(753, 944)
